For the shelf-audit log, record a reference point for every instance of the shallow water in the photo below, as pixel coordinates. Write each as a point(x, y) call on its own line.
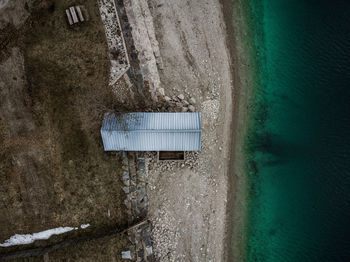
point(299, 148)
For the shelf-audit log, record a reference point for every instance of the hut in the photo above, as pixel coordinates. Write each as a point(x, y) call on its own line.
point(162, 132)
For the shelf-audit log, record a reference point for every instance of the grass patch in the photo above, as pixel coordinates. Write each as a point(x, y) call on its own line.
point(58, 174)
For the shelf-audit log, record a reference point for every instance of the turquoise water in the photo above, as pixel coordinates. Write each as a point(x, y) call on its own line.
point(299, 146)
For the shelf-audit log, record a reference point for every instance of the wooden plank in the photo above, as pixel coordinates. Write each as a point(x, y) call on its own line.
point(80, 14)
point(74, 14)
point(70, 21)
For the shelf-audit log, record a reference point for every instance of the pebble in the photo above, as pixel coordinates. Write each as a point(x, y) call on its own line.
point(161, 91)
point(191, 108)
point(193, 101)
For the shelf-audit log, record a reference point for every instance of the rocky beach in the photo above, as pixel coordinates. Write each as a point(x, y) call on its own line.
point(188, 201)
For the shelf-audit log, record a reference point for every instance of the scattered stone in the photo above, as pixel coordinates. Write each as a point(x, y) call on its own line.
point(119, 59)
point(161, 91)
point(126, 254)
point(185, 103)
point(126, 175)
point(192, 101)
point(181, 97)
point(166, 98)
point(191, 108)
point(134, 175)
point(184, 109)
point(127, 182)
point(149, 251)
point(178, 104)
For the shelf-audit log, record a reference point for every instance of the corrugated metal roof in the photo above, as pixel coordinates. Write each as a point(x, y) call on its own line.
point(152, 132)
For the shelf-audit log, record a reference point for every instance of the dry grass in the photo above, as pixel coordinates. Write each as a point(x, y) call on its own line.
point(57, 174)
point(101, 250)
point(107, 249)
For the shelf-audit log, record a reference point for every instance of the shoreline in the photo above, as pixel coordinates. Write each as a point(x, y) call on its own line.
point(231, 209)
point(240, 43)
point(275, 217)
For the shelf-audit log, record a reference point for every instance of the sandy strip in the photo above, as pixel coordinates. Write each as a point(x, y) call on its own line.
point(188, 202)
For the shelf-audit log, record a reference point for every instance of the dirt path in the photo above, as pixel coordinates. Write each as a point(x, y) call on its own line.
point(188, 201)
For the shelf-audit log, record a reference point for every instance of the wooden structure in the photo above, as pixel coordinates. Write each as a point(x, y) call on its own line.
point(171, 155)
point(75, 15)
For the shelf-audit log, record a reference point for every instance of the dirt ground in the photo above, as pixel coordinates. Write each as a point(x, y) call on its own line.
point(53, 88)
point(188, 201)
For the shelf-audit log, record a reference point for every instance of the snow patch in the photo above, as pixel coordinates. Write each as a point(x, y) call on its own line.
point(30, 238)
point(24, 239)
point(83, 226)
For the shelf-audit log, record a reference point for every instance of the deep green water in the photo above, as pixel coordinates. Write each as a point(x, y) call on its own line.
point(298, 149)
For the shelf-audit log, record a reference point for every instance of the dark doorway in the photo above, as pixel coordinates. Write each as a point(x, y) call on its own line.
point(171, 155)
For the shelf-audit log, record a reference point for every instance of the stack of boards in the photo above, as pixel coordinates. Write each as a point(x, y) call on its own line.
point(75, 14)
